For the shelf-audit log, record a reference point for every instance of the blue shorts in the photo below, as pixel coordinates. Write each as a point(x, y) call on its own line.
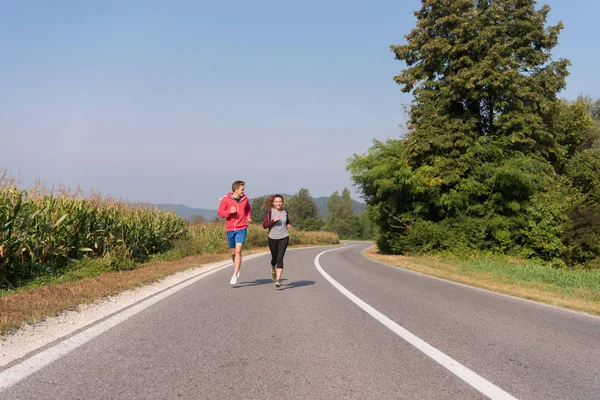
point(236, 237)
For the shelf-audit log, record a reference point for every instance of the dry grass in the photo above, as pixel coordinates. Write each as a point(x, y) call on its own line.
point(319, 237)
point(36, 304)
point(33, 305)
point(579, 300)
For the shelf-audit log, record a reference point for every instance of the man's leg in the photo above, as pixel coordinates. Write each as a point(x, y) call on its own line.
point(237, 258)
point(232, 245)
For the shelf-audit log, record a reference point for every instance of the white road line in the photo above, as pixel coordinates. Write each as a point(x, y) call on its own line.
point(18, 372)
point(480, 289)
point(481, 384)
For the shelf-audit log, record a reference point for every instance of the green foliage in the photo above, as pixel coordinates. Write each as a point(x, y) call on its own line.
point(342, 219)
point(362, 227)
point(582, 240)
point(200, 239)
point(583, 169)
point(257, 209)
point(42, 233)
point(311, 224)
point(492, 160)
point(584, 283)
point(548, 220)
point(339, 214)
point(303, 211)
point(480, 69)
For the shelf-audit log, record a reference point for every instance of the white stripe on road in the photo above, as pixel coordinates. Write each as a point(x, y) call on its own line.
point(17, 373)
point(484, 386)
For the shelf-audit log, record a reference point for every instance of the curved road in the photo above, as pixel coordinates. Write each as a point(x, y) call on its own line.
point(341, 326)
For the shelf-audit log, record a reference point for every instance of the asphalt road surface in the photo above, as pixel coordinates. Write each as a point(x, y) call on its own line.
point(340, 327)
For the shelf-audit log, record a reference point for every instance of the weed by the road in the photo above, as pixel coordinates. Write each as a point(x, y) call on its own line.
point(576, 290)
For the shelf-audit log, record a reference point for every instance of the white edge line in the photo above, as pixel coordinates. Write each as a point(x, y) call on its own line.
point(13, 375)
point(539, 303)
point(478, 382)
point(24, 369)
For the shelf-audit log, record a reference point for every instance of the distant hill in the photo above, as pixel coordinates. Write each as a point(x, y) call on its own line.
point(210, 214)
point(188, 212)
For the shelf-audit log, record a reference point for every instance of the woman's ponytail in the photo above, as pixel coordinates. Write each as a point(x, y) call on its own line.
point(268, 203)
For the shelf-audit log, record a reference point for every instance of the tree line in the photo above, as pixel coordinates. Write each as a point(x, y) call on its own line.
point(492, 159)
point(304, 214)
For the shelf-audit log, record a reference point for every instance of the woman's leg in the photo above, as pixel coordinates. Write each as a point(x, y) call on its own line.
point(281, 248)
point(273, 247)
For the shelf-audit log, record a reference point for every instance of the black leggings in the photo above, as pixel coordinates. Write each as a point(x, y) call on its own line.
point(278, 247)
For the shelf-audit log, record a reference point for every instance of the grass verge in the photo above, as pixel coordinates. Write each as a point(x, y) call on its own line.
point(90, 279)
point(575, 290)
point(40, 301)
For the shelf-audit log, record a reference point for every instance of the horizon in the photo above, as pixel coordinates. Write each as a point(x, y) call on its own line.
point(169, 104)
point(250, 198)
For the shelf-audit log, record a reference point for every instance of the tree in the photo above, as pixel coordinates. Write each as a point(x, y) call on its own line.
point(257, 209)
point(303, 211)
point(594, 107)
point(483, 83)
point(486, 137)
point(362, 227)
point(340, 217)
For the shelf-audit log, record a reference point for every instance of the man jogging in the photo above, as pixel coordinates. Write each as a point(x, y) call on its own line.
point(235, 208)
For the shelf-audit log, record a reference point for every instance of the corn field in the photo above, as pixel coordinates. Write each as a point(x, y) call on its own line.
point(41, 231)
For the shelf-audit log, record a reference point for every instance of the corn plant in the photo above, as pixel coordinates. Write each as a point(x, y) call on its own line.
point(41, 231)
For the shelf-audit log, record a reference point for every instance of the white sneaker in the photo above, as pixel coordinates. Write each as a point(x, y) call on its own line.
point(238, 274)
point(233, 280)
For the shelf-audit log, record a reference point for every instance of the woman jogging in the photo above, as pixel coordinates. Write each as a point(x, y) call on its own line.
point(278, 222)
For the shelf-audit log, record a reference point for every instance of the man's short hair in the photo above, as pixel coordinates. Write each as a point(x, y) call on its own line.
point(236, 185)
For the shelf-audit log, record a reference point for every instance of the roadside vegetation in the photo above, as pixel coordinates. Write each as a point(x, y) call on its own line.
point(496, 180)
point(341, 217)
point(492, 160)
point(576, 290)
point(495, 183)
point(59, 249)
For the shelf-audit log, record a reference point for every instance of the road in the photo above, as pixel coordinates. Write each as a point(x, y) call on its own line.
point(341, 326)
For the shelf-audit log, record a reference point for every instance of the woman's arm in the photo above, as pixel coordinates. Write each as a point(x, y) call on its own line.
point(267, 222)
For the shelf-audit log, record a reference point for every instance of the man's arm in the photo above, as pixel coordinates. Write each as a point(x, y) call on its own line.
point(223, 212)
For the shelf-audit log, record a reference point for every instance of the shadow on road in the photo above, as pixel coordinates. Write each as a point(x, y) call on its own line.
point(256, 282)
point(295, 284)
point(284, 284)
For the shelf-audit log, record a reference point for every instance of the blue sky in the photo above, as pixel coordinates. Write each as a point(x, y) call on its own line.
point(169, 102)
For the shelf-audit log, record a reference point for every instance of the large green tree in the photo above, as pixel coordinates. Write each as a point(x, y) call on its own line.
point(487, 135)
point(481, 74)
point(340, 217)
point(303, 211)
point(258, 211)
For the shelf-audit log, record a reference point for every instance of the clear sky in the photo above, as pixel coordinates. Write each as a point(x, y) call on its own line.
point(171, 101)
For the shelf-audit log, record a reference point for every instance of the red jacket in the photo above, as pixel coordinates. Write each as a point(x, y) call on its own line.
point(238, 220)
